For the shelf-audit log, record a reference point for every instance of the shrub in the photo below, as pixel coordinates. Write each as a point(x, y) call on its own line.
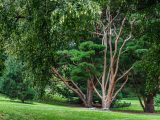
point(14, 84)
point(157, 100)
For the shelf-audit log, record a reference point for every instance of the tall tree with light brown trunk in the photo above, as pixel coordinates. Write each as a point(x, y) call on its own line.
point(113, 39)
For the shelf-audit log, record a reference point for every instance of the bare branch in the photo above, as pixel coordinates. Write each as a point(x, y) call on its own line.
point(66, 82)
point(104, 40)
point(118, 37)
point(96, 90)
point(120, 88)
point(111, 21)
point(107, 80)
point(98, 79)
point(104, 66)
point(96, 33)
point(124, 74)
point(111, 54)
point(115, 30)
point(120, 52)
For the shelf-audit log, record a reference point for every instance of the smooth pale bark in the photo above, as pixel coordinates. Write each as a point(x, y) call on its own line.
point(114, 48)
point(104, 104)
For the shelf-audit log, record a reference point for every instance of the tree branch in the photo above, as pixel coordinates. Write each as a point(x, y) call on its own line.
point(118, 37)
point(124, 74)
point(120, 88)
point(96, 90)
point(126, 40)
point(66, 82)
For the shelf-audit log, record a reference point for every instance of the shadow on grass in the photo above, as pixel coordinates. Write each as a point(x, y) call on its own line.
point(17, 101)
point(63, 104)
point(136, 112)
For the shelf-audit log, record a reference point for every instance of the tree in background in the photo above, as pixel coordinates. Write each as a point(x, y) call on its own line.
point(150, 65)
point(34, 30)
point(81, 67)
point(13, 81)
point(143, 53)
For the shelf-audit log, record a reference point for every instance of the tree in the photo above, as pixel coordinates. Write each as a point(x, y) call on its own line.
point(81, 66)
point(13, 82)
point(146, 76)
point(146, 48)
point(34, 30)
point(109, 31)
point(114, 42)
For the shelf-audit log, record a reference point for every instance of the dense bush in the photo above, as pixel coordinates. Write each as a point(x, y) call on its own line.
point(157, 100)
point(14, 83)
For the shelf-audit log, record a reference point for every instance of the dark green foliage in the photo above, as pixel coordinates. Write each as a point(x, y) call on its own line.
point(148, 51)
point(13, 81)
point(83, 63)
point(2, 60)
point(150, 65)
point(157, 100)
point(34, 30)
point(73, 20)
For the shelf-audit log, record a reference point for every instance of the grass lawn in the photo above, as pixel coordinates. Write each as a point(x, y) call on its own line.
point(135, 106)
point(38, 111)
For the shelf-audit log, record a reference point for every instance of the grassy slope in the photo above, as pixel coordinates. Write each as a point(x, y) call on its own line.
point(37, 111)
point(135, 106)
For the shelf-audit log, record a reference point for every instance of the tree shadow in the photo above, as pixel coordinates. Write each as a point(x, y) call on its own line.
point(135, 111)
point(17, 101)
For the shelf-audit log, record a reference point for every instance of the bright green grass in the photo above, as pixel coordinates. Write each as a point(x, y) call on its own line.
point(135, 106)
point(37, 111)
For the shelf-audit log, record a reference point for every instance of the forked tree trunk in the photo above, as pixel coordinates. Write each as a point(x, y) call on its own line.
point(109, 102)
point(103, 99)
point(149, 104)
point(106, 101)
point(89, 96)
point(106, 104)
point(112, 53)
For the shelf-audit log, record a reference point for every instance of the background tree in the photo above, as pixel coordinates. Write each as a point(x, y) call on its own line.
point(34, 30)
point(144, 53)
point(81, 66)
point(14, 84)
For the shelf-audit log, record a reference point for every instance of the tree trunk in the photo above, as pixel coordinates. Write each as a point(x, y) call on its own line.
point(104, 104)
point(89, 96)
point(108, 105)
point(22, 101)
point(149, 104)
